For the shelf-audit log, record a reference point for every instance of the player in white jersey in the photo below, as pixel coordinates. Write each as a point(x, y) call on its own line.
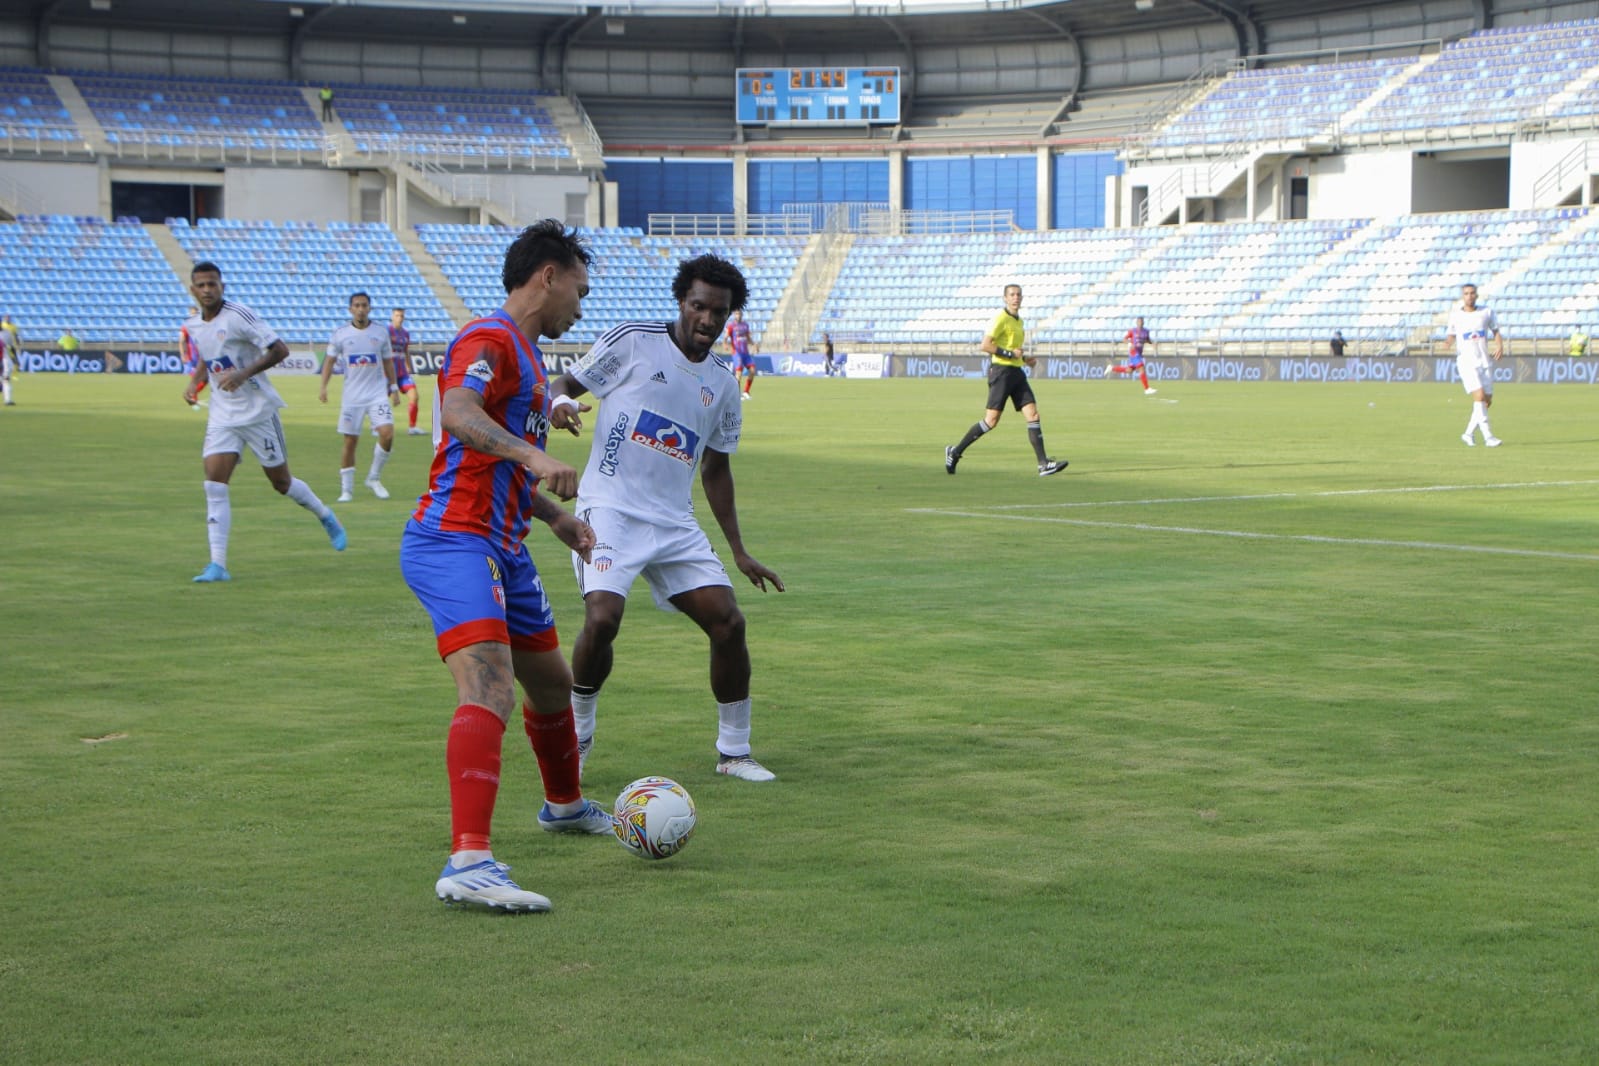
point(669, 406)
point(1470, 327)
point(7, 367)
point(362, 347)
point(235, 350)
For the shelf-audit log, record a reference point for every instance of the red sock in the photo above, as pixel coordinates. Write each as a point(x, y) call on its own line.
point(555, 744)
point(1144, 378)
point(472, 756)
point(1118, 370)
point(413, 410)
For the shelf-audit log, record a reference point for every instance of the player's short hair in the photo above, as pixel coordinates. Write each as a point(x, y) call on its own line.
point(204, 266)
point(1469, 285)
point(548, 241)
point(394, 309)
point(353, 295)
point(714, 271)
point(1009, 287)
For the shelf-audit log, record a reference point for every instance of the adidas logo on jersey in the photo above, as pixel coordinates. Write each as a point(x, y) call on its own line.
point(658, 376)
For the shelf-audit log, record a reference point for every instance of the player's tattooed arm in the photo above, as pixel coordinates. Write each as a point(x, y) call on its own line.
point(567, 527)
point(467, 421)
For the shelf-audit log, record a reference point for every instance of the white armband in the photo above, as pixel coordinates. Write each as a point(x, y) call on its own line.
point(563, 401)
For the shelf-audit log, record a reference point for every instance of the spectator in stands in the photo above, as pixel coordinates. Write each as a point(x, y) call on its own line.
point(827, 355)
point(326, 96)
point(1578, 344)
point(7, 365)
point(238, 348)
point(669, 409)
point(400, 343)
point(1136, 339)
point(67, 342)
point(1469, 328)
point(738, 342)
point(1336, 345)
point(1007, 381)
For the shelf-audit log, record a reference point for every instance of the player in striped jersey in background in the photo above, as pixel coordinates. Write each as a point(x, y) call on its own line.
point(463, 555)
point(400, 344)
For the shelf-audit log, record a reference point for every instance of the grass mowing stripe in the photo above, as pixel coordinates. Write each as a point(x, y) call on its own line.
point(1146, 527)
point(1294, 495)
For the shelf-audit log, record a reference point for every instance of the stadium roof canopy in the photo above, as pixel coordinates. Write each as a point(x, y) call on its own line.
point(788, 25)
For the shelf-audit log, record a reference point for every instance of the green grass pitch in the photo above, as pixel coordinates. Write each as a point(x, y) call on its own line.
point(1266, 733)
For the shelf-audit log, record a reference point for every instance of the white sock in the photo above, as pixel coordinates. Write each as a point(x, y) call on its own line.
point(380, 459)
point(566, 810)
point(462, 859)
point(5, 386)
point(584, 705)
point(1482, 424)
point(218, 520)
point(301, 494)
point(733, 727)
point(346, 480)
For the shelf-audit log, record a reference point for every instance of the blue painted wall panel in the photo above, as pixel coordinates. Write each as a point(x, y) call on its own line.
point(974, 183)
point(670, 186)
point(1080, 188)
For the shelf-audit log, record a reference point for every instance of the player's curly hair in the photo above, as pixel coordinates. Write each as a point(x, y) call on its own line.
point(715, 271)
point(547, 241)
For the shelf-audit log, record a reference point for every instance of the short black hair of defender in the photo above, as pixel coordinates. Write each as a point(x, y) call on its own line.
point(353, 295)
point(543, 242)
point(204, 266)
point(713, 270)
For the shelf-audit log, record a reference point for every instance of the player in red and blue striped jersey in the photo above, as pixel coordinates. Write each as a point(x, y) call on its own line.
point(463, 556)
point(1136, 339)
point(400, 344)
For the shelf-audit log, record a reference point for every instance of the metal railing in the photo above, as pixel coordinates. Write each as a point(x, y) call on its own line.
point(668, 224)
point(1573, 169)
point(43, 140)
point(461, 153)
point(198, 147)
point(921, 223)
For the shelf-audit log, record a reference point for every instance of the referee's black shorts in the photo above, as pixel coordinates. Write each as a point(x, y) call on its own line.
point(1008, 383)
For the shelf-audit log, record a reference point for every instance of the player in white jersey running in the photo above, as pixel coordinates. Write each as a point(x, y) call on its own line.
point(669, 406)
point(235, 350)
point(7, 366)
point(1469, 328)
point(362, 347)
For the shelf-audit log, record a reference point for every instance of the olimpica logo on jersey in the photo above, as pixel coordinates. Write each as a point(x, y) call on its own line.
point(661, 434)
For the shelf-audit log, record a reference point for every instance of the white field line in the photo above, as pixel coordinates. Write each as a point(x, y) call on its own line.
point(1145, 527)
point(1293, 495)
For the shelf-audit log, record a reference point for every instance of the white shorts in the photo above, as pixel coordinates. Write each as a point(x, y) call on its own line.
point(673, 559)
point(1476, 376)
point(378, 411)
point(264, 438)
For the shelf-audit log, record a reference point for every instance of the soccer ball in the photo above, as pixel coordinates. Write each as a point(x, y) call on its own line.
point(654, 817)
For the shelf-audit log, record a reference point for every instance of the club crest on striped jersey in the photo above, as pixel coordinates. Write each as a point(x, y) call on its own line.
point(707, 397)
point(481, 370)
point(661, 434)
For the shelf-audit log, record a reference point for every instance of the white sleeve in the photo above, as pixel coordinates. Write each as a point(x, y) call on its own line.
point(723, 436)
point(603, 368)
point(258, 332)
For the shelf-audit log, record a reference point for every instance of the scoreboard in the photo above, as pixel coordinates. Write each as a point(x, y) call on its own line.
point(818, 96)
